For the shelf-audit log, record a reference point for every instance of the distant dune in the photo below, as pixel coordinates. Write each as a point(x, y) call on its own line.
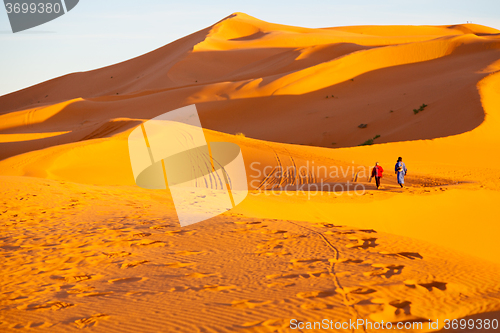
point(82, 233)
point(271, 82)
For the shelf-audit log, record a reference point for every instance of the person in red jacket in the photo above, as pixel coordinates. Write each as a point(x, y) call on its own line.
point(377, 173)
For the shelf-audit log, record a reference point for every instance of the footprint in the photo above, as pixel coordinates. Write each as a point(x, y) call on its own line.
point(269, 247)
point(429, 286)
point(302, 276)
point(272, 254)
point(78, 278)
point(180, 264)
point(117, 254)
point(90, 321)
point(80, 290)
point(385, 270)
point(394, 311)
point(435, 284)
point(188, 253)
point(49, 305)
point(157, 227)
point(363, 243)
point(173, 232)
point(314, 306)
point(248, 304)
point(305, 262)
point(406, 255)
point(273, 231)
point(368, 231)
point(94, 294)
point(216, 287)
point(125, 280)
point(282, 276)
point(180, 289)
point(29, 325)
point(280, 284)
point(244, 231)
point(274, 243)
point(141, 234)
point(314, 294)
point(346, 261)
point(60, 305)
point(347, 232)
point(355, 290)
point(197, 275)
point(319, 274)
point(150, 243)
point(326, 225)
point(133, 263)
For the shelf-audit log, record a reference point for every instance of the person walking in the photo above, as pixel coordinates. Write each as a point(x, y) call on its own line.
point(377, 173)
point(401, 171)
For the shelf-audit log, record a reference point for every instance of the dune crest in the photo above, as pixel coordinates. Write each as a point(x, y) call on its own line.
point(245, 75)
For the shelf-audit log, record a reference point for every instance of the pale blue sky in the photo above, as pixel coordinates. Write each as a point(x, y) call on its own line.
point(98, 33)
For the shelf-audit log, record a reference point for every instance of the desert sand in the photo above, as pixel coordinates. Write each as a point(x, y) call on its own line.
point(84, 248)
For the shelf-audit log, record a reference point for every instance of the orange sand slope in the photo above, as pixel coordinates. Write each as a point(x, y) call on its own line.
point(298, 95)
point(114, 259)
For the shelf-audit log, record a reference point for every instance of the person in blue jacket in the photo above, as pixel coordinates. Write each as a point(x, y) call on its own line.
point(401, 171)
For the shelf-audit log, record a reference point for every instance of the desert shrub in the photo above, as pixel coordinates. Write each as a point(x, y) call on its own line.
point(369, 142)
point(421, 108)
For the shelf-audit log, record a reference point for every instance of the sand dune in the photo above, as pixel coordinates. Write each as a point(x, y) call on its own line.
point(85, 248)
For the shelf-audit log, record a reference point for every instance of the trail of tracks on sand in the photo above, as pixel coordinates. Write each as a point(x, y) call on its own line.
point(348, 302)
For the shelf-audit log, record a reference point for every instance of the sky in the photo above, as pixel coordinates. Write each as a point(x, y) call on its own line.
point(99, 33)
